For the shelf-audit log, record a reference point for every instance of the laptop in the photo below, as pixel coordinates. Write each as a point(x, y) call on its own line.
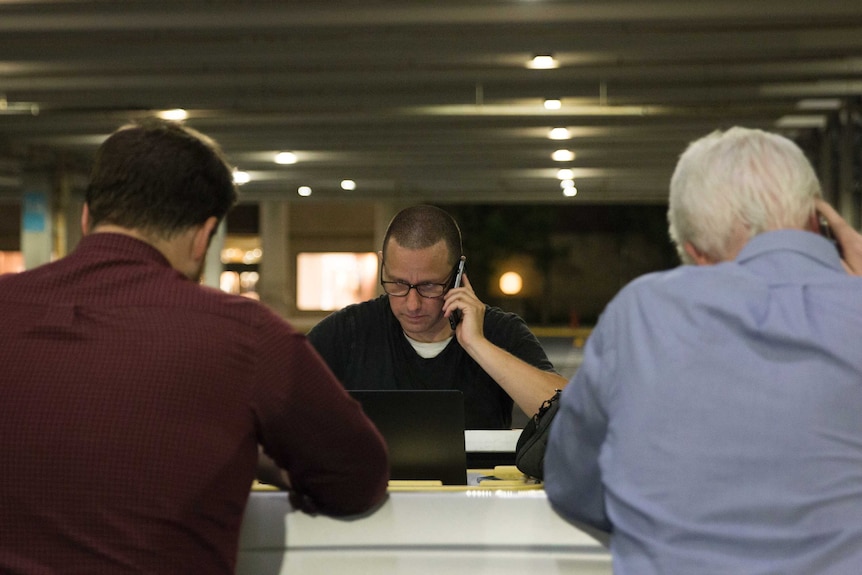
point(424, 430)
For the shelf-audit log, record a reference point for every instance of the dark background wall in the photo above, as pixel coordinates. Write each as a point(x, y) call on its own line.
point(573, 259)
point(10, 226)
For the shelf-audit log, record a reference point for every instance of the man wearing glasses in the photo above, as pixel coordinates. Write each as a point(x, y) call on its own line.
point(405, 340)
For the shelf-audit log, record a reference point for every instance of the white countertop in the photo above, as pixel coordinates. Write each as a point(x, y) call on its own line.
point(451, 531)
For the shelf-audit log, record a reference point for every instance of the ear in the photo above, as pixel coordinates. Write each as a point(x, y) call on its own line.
point(85, 220)
point(698, 256)
point(201, 238)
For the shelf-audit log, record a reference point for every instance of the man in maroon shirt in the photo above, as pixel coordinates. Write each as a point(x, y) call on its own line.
point(133, 400)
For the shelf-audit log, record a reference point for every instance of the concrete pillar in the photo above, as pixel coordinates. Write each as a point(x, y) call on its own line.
point(71, 187)
point(213, 267)
point(37, 233)
point(276, 285)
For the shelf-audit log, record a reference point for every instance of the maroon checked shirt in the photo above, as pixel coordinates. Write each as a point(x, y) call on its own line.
point(132, 404)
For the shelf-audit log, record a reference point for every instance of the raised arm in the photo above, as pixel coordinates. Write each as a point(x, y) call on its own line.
point(849, 239)
point(527, 385)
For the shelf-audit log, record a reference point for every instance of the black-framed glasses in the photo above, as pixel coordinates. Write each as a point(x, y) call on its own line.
point(428, 290)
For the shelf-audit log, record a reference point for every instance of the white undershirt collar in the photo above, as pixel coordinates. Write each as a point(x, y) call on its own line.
point(428, 350)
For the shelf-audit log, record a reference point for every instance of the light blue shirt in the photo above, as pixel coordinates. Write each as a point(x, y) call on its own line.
point(715, 425)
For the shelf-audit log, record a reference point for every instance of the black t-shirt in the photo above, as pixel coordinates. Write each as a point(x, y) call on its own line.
point(366, 348)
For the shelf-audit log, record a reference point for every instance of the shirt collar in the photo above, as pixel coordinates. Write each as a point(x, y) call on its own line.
point(122, 244)
point(806, 243)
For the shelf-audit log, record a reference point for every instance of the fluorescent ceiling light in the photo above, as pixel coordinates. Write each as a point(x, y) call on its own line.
point(819, 104)
point(7, 107)
point(802, 121)
point(515, 109)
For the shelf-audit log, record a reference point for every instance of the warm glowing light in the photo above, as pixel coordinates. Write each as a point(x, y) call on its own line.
point(348, 185)
point(511, 283)
point(570, 192)
point(331, 280)
point(237, 255)
point(552, 104)
point(11, 262)
point(567, 184)
point(240, 177)
point(563, 156)
point(177, 115)
point(285, 158)
point(304, 191)
point(559, 134)
point(565, 174)
point(543, 62)
point(252, 256)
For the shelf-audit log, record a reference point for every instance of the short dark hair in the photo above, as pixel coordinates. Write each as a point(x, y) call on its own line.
point(423, 226)
point(159, 177)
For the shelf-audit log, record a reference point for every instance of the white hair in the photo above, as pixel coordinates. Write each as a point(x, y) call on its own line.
point(730, 186)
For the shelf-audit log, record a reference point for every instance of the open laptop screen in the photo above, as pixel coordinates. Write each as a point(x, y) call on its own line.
point(424, 431)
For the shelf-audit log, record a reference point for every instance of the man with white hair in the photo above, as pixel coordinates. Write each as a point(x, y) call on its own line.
point(714, 425)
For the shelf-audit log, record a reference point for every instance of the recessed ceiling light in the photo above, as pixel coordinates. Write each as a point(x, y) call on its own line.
point(565, 174)
point(240, 177)
point(563, 156)
point(348, 185)
point(176, 115)
point(559, 134)
point(285, 158)
point(304, 191)
point(543, 62)
point(567, 183)
point(570, 192)
point(553, 104)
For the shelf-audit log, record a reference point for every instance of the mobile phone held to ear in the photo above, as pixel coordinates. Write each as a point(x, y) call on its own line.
point(455, 316)
point(826, 232)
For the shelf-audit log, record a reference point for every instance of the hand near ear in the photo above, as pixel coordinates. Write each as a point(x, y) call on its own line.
point(849, 239)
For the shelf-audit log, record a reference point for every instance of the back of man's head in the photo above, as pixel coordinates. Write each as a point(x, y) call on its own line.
point(730, 186)
point(423, 226)
point(160, 178)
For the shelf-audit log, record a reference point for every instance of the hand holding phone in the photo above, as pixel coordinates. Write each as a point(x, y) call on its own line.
point(827, 232)
point(455, 316)
point(848, 240)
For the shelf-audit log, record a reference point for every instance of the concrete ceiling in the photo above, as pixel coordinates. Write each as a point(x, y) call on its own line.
point(421, 100)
